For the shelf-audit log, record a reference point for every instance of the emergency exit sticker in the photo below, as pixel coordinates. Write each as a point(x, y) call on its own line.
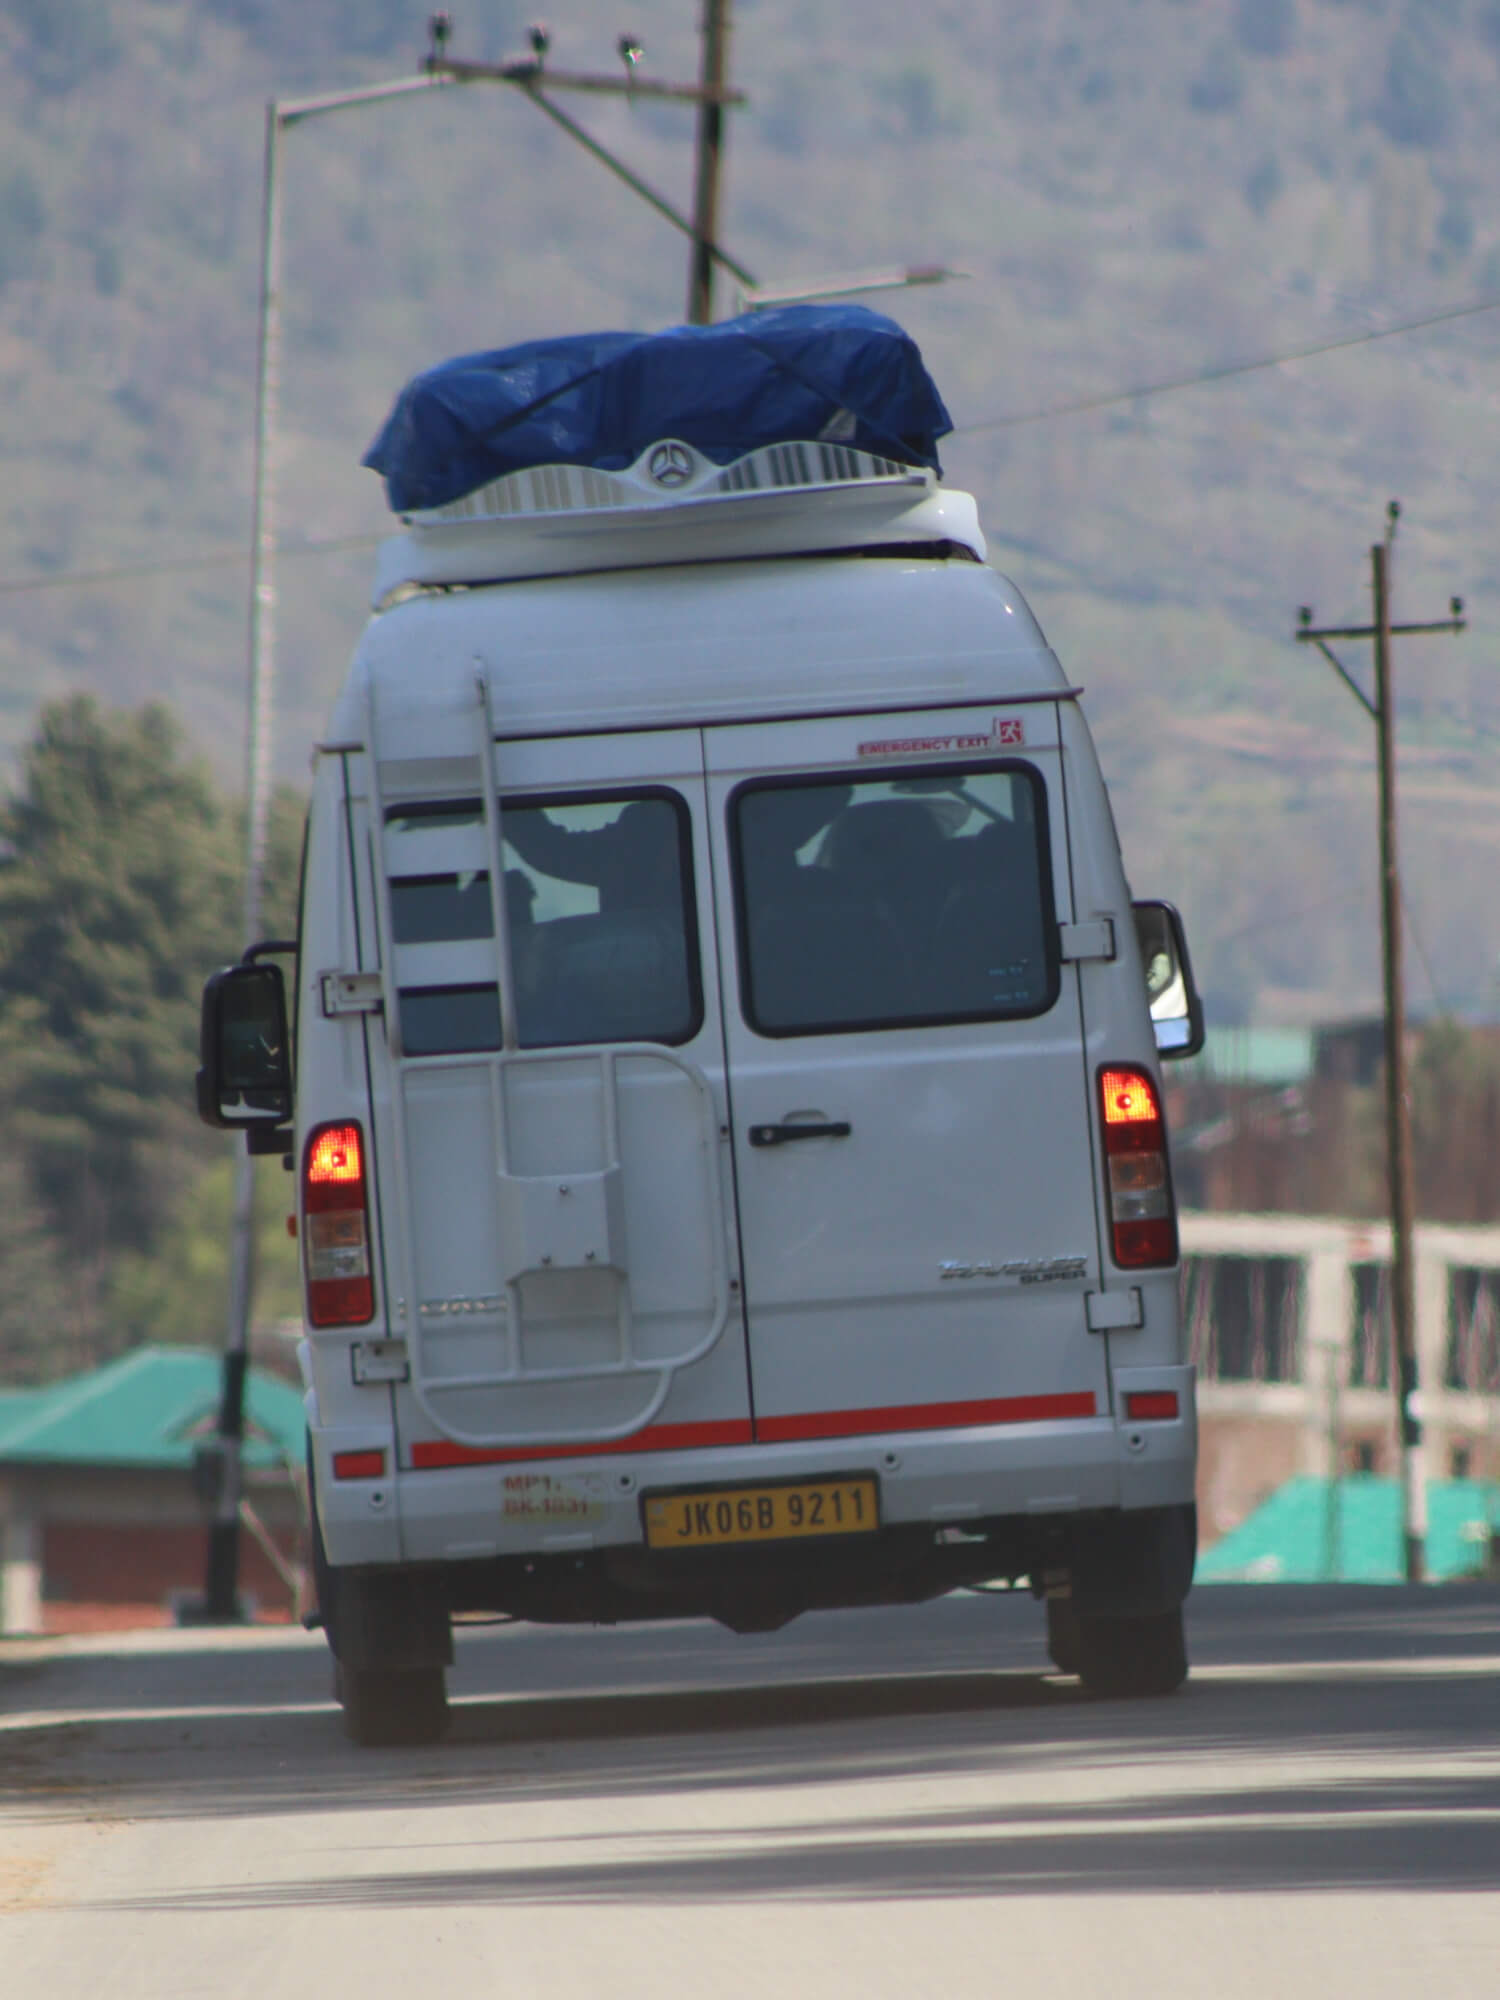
point(1007, 732)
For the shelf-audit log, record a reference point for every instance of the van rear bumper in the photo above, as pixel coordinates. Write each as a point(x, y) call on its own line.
point(935, 1481)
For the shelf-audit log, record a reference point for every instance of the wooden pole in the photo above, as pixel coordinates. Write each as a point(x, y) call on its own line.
point(710, 158)
point(1397, 1102)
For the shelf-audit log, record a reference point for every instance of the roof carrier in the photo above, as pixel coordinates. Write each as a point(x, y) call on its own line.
point(674, 505)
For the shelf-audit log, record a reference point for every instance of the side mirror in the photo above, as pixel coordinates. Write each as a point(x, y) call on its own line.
point(245, 1077)
point(1176, 1010)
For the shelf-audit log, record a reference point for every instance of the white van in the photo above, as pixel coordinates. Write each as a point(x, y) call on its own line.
point(727, 1126)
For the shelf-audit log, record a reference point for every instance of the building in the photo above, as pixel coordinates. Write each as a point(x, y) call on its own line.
point(1288, 1321)
point(100, 1521)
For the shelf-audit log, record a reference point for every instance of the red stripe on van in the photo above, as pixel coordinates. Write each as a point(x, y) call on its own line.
point(438, 1453)
point(926, 1416)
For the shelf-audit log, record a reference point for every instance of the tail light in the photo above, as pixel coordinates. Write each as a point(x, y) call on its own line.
point(336, 1238)
point(1138, 1182)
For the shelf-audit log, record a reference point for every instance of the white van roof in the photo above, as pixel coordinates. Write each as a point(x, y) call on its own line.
point(803, 579)
point(705, 643)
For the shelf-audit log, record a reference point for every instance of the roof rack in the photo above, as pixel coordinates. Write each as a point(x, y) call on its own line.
point(673, 474)
point(673, 505)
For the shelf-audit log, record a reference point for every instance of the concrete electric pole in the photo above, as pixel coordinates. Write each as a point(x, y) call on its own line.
point(220, 1471)
point(1404, 1379)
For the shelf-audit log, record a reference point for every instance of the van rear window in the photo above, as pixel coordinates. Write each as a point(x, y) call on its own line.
point(908, 900)
point(427, 909)
point(600, 911)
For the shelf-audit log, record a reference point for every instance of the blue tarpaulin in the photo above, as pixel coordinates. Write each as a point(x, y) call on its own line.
point(600, 399)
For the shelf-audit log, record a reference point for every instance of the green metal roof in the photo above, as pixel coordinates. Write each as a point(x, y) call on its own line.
point(1256, 1055)
point(1316, 1530)
point(149, 1408)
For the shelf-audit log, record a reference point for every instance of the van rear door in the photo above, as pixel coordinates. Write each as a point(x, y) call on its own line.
point(556, 1223)
point(907, 1077)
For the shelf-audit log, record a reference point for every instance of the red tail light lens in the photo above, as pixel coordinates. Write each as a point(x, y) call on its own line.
point(1142, 1406)
point(1138, 1181)
point(359, 1465)
point(336, 1236)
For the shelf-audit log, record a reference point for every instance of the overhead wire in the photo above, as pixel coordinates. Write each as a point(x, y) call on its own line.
point(81, 579)
point(1113, 398)
point(1079, 406)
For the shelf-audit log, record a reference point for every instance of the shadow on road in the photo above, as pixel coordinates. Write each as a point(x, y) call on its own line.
point(1372, 1684)
point(1316, 1841)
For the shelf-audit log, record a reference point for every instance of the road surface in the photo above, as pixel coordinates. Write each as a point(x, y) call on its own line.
point(867, 1804)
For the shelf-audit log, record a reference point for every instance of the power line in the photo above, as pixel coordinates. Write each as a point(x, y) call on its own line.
point(1208, 375)
point(184, 565)
point(79, 579)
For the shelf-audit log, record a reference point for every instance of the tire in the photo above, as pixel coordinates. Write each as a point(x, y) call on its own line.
point(1132, 1656)
point(385, 1707)
point(1062, 1635)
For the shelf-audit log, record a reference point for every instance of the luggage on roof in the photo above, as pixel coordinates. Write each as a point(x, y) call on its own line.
point(840, 373)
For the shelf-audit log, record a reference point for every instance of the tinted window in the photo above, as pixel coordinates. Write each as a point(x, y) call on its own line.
point(449, 1020)
point(599, 903)
point(428, 908)
point(894, 901)
point(599, 893)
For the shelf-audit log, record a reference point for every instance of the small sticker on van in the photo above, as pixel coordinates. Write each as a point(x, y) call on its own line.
point(1006, 732)
point(539, 1496)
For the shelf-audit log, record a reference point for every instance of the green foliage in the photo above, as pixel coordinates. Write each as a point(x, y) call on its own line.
point(180, 1293)
point(1455, 229)
point(1063, 163)
point(66, 40)
point(1416, 102)
point(1265, 27)
point(23, 220)
point(42, 1333)
point(1220, 83)
point(117, 893)
point(1263, 185)
point(106, 270)
point(916, 104)
point(120, 889)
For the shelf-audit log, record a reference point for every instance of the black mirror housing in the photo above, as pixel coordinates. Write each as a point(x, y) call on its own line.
point(1171, 993)
point(244, 1081)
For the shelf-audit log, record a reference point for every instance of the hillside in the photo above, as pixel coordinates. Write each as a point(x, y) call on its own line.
point(1145, 190)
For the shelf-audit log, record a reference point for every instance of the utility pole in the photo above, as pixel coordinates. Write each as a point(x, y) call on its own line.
point(1404, 1377)
point(219, 1464)
point(710, 159)
point(532, 75)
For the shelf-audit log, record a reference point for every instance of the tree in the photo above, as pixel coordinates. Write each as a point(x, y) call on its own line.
point(41, 1333)
point(180, 1294)
point(1265, 27)
point(118, 892)
point(1415, 105)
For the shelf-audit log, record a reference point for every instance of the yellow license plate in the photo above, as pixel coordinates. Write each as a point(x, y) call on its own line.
point(761, 1513)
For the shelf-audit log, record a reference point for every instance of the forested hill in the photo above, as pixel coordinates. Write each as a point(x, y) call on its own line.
point(1144, 190)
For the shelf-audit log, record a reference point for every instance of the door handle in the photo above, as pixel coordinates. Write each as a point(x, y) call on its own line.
point(781, 1135)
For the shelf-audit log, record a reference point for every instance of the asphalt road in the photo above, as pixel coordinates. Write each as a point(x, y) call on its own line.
point(867, 1804)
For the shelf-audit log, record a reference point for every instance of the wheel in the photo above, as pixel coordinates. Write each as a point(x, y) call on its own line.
point(1132, 1656)
point(386, 1706)
point(1062, 1635)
